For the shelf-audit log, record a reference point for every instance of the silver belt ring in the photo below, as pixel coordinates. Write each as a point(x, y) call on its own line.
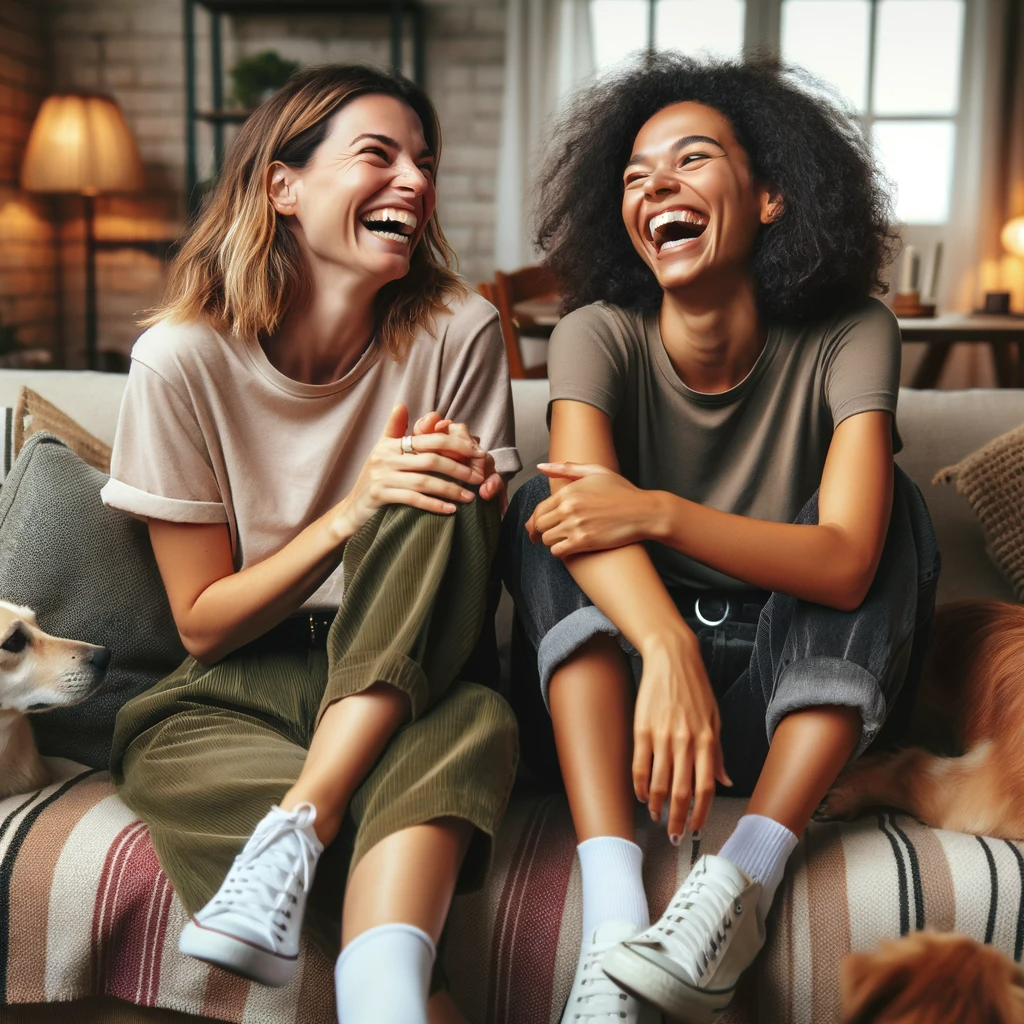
point(407, 448)
point(710, 622)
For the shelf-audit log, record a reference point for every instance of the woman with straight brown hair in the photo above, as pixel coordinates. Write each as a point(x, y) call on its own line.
point(326, 556)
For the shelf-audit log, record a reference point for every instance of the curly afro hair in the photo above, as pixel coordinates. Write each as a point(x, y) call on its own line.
point(822, 255)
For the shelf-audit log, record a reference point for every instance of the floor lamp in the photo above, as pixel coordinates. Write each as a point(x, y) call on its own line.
point(80, 144)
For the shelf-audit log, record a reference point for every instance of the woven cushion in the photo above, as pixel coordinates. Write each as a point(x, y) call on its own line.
point(992, 480)
point(33, 414)
point(88, 572)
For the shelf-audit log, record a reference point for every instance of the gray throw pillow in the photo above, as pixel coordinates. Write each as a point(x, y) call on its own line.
point(89, 573)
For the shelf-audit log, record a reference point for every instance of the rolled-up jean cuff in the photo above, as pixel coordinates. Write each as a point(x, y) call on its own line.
point(821, 682)
point(565, 638)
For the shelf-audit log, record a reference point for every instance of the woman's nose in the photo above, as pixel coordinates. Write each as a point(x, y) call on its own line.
point(412, 178)
point(660, 182)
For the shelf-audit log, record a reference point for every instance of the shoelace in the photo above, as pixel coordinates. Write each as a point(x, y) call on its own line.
point(266, 876)
point(711, 906)
point(601, 999)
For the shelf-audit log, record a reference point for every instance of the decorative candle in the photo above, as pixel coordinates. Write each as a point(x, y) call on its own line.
point(931, 277)
point(908, 272)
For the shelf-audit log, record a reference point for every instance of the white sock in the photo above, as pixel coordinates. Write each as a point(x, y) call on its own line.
point(613, 885)
point(760, 848)
point(383, 976)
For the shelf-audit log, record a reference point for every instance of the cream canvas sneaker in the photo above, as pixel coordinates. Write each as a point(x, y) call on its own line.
point(252, 924)
point(596, 1000)
point(688, 963)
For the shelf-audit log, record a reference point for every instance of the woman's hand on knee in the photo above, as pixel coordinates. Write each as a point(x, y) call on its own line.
point(677, 749)
point(494, 485)
point(430, 471)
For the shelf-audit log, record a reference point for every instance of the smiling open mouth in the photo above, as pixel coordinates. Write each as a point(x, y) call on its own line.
point(676, 227)
point(391, 223)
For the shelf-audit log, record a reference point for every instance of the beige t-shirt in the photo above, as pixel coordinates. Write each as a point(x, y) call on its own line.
point(757, 449)
point(210, 432)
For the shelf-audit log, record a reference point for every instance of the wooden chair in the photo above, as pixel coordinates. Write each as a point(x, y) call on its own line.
point(506, 291)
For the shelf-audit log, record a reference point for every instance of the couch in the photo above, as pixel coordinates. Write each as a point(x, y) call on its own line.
point(88, 923)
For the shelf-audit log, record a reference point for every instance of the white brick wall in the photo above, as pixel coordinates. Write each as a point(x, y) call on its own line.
point(134, 50)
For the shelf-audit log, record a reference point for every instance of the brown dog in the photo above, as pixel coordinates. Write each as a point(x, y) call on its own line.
point(931, 978)
point(970, 708)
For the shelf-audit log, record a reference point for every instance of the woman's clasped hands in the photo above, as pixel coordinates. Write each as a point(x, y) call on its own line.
point(440, 467)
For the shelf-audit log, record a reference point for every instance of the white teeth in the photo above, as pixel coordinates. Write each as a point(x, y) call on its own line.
point(670, 216)
point(392, 213)
point(393, 236)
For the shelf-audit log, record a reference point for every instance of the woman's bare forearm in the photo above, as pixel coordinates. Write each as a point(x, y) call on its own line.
point(624, 585)
point(771, 556)
point(231, 608)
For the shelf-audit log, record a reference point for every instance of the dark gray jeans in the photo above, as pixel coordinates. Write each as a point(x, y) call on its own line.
point(794, 654)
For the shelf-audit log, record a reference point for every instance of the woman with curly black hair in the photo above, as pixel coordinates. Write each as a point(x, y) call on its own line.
point(722, 519)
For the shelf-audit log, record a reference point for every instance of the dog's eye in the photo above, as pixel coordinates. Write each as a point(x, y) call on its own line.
point(15, 642)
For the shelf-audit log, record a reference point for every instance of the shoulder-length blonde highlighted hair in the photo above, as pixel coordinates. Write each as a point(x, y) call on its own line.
point(240, 269)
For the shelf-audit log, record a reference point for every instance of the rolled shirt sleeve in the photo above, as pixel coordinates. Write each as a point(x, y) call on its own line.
point(160, 467)
point(477, 391)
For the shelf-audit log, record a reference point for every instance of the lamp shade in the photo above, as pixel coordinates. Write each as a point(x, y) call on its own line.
point(1013, 236)
point(81, 143)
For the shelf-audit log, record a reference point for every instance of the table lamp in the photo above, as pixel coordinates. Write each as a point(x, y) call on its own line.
point(1012, 237)
point(81, 144)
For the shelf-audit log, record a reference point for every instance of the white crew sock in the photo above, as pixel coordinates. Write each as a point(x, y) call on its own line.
point(760, 847)
point(613, 884)
point(383, 976)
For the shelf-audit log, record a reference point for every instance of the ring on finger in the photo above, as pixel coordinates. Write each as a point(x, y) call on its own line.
point(407, 448)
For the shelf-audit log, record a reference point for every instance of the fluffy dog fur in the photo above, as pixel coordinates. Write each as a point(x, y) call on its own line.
point(932, 978)
point(966, 771)
point(37, 671)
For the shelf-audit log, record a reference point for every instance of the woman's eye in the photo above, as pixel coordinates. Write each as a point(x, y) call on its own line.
point(635, 179)
point(691, 157)
point(376, 151)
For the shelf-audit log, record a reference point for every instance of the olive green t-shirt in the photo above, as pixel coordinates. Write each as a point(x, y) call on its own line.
point(757, 449)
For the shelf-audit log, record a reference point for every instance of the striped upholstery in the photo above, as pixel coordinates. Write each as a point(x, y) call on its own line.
point(86, 910)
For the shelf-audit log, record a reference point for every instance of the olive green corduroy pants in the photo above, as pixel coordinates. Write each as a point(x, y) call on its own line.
point(203, 755)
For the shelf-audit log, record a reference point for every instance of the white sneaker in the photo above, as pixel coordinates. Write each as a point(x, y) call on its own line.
point(594, 999)
point(252, 924)
point(688, 963)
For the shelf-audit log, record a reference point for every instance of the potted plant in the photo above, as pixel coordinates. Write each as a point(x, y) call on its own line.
point(258, 76)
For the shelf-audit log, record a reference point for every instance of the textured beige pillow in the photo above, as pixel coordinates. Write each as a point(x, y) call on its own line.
point(33, 414)
point(992, 480)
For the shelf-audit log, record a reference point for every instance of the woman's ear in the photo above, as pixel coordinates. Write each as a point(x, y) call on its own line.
point(772, 205)
point(281, 188)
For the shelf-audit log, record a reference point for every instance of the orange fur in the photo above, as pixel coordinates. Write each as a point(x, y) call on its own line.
point(931, 978)
point(971, 706)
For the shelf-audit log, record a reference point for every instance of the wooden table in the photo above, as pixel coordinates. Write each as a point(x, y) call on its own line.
point(537, 317)
point(1005, 334)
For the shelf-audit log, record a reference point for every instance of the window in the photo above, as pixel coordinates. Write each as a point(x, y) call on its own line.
point(896, 63)
point(908, 96)
point(621, 27)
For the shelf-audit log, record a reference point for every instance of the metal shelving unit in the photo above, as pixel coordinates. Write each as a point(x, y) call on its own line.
point(402, 15)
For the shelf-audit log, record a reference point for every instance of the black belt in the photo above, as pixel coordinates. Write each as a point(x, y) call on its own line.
point(304, 632)
point(716, 607)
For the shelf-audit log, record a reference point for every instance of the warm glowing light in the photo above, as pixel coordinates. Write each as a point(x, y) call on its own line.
point(81, 143)
point(1013, 236)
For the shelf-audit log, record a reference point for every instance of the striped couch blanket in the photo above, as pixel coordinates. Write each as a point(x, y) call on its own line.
point(86, 910)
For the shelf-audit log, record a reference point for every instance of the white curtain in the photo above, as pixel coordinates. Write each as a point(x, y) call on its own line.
point(990, 176)
point(548, 52)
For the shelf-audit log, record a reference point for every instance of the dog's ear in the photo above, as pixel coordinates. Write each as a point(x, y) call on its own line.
point(931, 978)
point(868, 986)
